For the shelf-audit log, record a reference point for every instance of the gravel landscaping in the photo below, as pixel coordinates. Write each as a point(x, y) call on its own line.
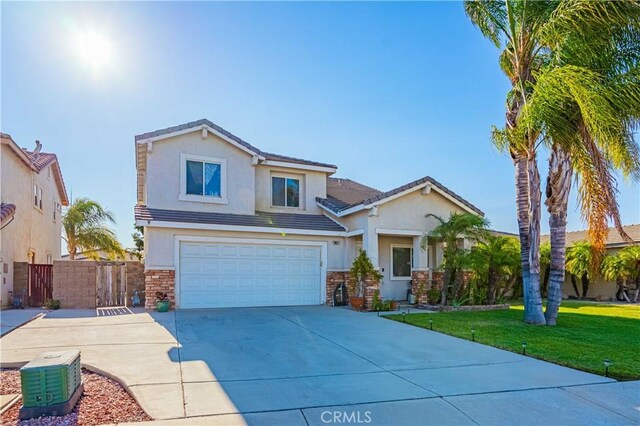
point(103, 401)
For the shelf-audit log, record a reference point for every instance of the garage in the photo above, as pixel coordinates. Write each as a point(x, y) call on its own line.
point(246, 274)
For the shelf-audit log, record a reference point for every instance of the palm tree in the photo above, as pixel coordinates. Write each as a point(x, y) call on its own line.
point(550, 51)
point(450, 231)
point(495, 261)
point(581, 260)
point(85, 228)
point(614, 268)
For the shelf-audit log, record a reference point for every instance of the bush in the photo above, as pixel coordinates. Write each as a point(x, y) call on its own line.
point(433, 296)
point(51, 304)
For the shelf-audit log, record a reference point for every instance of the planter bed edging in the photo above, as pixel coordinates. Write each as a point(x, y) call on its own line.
point(440, 308)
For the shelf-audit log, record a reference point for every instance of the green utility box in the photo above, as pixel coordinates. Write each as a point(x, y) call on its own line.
point(51, 384)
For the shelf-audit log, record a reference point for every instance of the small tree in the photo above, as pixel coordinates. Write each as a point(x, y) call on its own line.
point(360, 269)
point(457, 226)
point(138, 241)
point(581, 263)
point(85, 225)
point(623, 268)
point(495, 263)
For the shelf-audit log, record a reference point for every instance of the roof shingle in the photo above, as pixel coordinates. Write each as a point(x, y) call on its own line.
point(613, 237)
point(338, 205)
point(260, 219)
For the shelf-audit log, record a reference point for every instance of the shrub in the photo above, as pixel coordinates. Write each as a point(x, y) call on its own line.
point(51, 304)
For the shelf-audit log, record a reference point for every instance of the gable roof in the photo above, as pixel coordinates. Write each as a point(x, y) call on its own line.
point(341, 207)
point(198, 124)
point(613, 237)
point(38, 162)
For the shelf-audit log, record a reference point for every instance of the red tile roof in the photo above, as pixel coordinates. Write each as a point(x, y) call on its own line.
point(6, 211)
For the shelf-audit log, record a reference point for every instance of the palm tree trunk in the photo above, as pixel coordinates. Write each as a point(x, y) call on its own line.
point(445, 286)
point(558, 188)
point(522, 211)
point(585, 286)
point(533, 300)
point(575, 286)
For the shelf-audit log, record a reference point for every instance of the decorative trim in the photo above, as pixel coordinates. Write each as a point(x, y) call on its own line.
point(404, 232)
point(290, 165)
point(190, 238)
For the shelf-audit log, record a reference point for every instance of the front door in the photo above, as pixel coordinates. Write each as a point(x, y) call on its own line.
point(397, 276)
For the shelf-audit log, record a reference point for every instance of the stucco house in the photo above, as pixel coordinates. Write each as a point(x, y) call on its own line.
point(229, 225)
point(614, 243)
point(33, 193)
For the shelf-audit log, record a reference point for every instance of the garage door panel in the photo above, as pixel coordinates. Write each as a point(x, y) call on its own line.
point(234, 275)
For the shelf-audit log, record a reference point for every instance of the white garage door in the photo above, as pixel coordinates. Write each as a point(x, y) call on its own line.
point(222, 275)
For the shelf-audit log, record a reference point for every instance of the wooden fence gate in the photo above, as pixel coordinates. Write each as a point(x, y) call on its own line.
point(111, 284)
point(40, 284)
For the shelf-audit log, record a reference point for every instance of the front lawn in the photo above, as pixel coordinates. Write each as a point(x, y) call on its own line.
point(586, 334)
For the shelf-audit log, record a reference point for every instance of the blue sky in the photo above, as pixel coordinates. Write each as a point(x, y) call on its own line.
point(389, 92)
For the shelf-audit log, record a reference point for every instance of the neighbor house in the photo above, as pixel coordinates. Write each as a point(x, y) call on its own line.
point(614, 243)
point(33, 193)
point(228, 225)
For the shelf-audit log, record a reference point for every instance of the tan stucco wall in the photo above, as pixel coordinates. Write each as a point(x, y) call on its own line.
point(248, 187)
point(163, 174)
point(31, 228)
point(159, 245)
point(313, 184)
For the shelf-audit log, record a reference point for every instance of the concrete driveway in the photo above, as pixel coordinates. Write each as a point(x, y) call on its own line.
point(319, 365)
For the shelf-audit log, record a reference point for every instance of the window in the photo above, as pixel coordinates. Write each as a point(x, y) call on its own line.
point(401, 261)
point(56, 210)
point(285, 192)
point(37, 196)
point(203, 179)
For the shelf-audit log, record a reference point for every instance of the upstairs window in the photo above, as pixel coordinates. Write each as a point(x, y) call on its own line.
point(37, 196)
point(57, 208)
point(203, 179)
point(285, 192)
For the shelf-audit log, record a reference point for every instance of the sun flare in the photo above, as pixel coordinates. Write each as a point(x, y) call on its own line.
point(94, 49)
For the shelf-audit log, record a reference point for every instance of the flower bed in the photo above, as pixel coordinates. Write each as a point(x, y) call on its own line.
point(465, 307)
point(104, 401)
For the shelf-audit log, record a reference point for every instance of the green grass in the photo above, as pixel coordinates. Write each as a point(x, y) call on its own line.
point(586, 334)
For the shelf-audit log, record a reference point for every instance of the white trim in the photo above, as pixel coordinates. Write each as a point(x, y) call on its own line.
point(391, 247)
point(182, 238)
point(360, 207)
point(217, 227)
point(291, 165)
point(159, 267)
point(200, 128)
point(381, 231)
point(183, 196)
point(354, 232)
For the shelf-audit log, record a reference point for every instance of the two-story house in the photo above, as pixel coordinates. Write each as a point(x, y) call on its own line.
point(32, 194)
point(229, 225)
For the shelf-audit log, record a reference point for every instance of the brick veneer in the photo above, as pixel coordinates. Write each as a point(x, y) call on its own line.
point(20, 277)
point(335, 278)
point(163, 280)
point(437, 280)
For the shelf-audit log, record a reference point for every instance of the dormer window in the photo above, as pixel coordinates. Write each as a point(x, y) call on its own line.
point(285, 192)
point(203, 179)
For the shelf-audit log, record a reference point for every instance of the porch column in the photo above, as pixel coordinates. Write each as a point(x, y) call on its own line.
point(419, 255)
point(370, 245)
